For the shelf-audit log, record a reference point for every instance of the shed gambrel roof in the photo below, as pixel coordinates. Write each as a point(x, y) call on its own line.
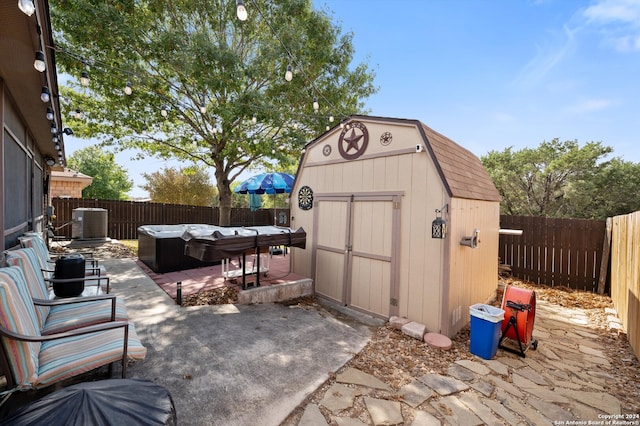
point(462, 172)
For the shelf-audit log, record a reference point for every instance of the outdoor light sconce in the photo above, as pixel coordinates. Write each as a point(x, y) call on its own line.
point(471, 241)
point(49, 161)
point(439, 225)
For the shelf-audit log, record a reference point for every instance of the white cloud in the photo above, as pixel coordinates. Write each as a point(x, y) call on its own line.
point(590, 105)
point(547, 58)
point(606, 11)
point(618, 21)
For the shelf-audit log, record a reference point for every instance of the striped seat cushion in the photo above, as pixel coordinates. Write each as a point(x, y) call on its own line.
point(18, 315)
point(74, 315)
point(68, 357)
point(60, 318)
point(40, 248)
point(27, 260)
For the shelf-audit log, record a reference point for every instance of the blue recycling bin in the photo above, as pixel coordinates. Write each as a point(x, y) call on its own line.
point(486, 323)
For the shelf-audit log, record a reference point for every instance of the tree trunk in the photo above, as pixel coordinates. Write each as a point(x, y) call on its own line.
point(224, 190)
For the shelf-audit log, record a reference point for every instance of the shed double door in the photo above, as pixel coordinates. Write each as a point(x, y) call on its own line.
point(355, 255)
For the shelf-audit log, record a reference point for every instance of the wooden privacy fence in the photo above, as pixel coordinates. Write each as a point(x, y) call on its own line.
point(625, 274)
point(556, 252)
point(124, 217)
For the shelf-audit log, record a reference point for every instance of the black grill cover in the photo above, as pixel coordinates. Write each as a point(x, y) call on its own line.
point(114, 402)
point(69, 266)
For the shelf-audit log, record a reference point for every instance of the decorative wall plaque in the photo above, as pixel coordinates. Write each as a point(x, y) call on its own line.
point(353, 141)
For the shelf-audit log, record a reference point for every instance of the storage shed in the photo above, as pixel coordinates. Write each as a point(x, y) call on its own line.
point(368, 192)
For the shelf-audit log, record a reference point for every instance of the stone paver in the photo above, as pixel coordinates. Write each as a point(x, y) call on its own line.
point(497, 366)
point(312, 417)
point(565, 379)
point(357, 377)
point(383, 412)
point(484, 387)
point(474, 366)
point(442, 384)
point(348, 421)
point(480, 410)
point(456, 412)
point(415, 393)
point(339, 397)
point(461, 373)
point(423, 418)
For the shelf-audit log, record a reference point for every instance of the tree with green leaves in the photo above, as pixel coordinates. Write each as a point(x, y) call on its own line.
point(563, 179)
point(202, 85)
point(189, 186)
point(110, 181)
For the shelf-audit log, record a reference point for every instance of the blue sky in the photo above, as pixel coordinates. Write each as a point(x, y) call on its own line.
point(490, 74)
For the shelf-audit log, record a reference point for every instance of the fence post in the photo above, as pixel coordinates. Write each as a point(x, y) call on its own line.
point(606, 250)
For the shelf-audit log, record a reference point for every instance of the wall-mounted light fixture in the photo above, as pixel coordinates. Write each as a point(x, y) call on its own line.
point(439, 225)
point(49, 161)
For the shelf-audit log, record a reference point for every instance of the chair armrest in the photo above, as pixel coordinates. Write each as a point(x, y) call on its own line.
point(75, 332)
point(86, 254)
point(72, 300)
point(94, 281)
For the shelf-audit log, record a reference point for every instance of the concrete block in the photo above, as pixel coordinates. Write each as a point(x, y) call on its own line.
point(415, 330)
point(398, 322)
point(276, 293)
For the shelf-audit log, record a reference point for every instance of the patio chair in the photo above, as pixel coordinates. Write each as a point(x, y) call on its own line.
point(55, 316)
point(47, 260)
point(31, 360)
point(101, 282)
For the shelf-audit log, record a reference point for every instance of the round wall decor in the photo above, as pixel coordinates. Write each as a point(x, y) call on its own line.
point(305, 198)
point(353, 141)
point(386, 138)
point(326, 150)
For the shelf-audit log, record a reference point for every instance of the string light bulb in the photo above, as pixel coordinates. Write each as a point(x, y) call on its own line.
point(315, 104)
point(163, 111)
point(289, 74)
point(50, 115)
point(27, 7)
point(54, 129)
point(84, 78)
point(78, 114)
point(45, 96)
point(128, 89)
point(254, 119)
point(203, 109)
point(39, 63)
point(331, 119)
point(241, 11)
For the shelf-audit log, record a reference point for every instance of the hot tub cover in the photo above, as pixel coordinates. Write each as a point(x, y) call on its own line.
point(218, 242)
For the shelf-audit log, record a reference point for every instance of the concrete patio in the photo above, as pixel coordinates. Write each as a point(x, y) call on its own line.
point(232, 364)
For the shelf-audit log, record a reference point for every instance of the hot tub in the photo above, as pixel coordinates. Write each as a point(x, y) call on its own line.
point(162, 249)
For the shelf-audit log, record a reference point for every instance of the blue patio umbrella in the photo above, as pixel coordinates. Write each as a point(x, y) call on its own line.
point(267, 183)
